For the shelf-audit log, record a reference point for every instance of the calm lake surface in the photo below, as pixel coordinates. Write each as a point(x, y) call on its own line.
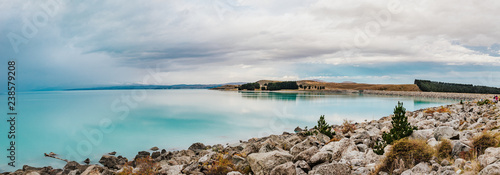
point(87, 124)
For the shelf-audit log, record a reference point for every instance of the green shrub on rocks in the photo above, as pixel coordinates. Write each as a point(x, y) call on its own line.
point(400, 129)
point(324, 127)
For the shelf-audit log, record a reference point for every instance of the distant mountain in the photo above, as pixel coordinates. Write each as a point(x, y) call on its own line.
point(177, 86)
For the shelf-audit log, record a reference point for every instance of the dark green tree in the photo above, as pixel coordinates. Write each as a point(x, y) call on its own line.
point(400, 129)
point(324, 127)
point(400, 126)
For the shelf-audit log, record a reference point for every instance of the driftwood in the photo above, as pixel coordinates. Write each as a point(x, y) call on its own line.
point(53, 155)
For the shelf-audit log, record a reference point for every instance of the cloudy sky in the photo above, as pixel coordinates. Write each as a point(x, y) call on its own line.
point(81, 44)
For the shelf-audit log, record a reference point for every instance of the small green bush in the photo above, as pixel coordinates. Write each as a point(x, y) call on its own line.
point(324, 127)
point(400, 126)
point(400, 129)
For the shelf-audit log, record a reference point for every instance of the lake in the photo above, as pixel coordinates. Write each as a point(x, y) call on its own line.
point(87, 124)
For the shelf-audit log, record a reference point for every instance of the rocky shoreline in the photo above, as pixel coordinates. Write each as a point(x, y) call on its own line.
point(459, 96)
point(307, 152)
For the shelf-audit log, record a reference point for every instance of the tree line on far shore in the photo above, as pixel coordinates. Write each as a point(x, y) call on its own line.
point(434, 86)
point(270, 86)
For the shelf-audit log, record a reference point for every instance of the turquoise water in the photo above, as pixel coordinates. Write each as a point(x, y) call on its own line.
point(87, 124)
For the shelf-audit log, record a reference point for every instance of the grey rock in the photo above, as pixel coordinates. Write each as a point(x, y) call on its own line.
point(284, 169)
point(302, 146)
point(234, 173)
point(421, 168)
point(332, 168)
point(445, 132)
point(491, 155)
point(321, 157)
point(458, 148)
point(263, 163)
point(492, 169)
point(425, 134)
point(459, 163)
point(362, 147)
point(197, 147)
point(340, 148)
point(306, 154)
point(303, 165)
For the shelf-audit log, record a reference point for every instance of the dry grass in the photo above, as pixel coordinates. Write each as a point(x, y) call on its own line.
point(334, 139)
point(443, 149)
point(441, 109)
point(348, 126)
point(405, 154)
point(485, 140)
point(223, 165)
point(146, 166)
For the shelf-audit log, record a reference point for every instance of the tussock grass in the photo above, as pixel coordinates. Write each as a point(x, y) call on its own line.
point(405, 154)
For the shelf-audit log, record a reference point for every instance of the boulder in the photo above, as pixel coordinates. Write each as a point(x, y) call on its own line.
point(491, 169)
point(297, 129)
point(445, 132)
point(263, 163)
point(142, 154)
point(421, 168)
point(234, 173)
point(332, 168)
point(458, 148)
point(340, 148)
point(466, 135)
point(355, 158)
point(111, 162)
point(302, 146)
point(171, 170)
point(321, 157)
point(432, 142)
point(425, 134)
point(322, 138)
point(491, 155)
point(197, 147)
point(155, 154)
point(459, 163)
point(303, 165)
point(284, 169)
point(362, 148)
point(306, 155)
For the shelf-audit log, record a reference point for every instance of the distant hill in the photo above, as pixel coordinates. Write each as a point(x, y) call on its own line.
point(322, 85)
point(177, 86)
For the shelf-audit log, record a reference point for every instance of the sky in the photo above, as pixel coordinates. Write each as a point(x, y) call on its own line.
point(71, 44)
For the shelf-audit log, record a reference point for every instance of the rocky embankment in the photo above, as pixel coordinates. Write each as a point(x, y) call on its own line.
point(459, 96)
point(302, 154)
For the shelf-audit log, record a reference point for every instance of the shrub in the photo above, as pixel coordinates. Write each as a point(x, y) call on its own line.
point(324, 127)
point(348, 126)
point(379, 146)
point(444, 149)
point(400, 126)
point(146, 166)
point(406, 153)
point(483, 141)
point(223, 165)
point(480, 103)
point(441, 109)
